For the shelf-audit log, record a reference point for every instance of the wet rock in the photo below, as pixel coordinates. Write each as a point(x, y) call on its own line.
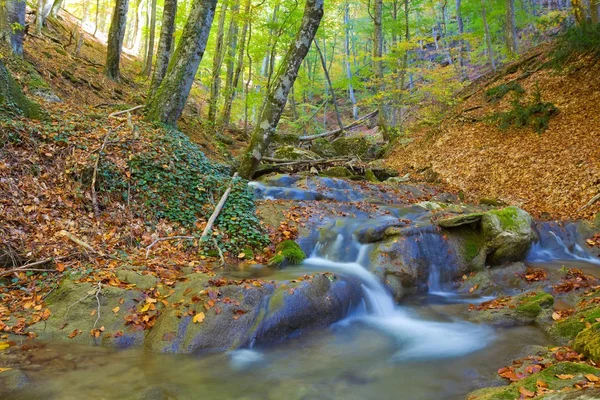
point(523, 309)
point(287, 253)
point(381, 171)
point(294, 153)
point(12, 381)
point(398, 179)
point(459, 220)
point(508, 233)
point(375, 230)
point(548, 376)
point(337, 172)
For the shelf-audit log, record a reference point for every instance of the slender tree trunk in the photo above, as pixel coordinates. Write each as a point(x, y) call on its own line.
point(461, 41)
point(232, 36)
point(132, 35)
point(96, 18)
point(167, 103)
point(115, 39)
point(215, 85)
point(277, 96)
point(511, 28)
point(56, 5)
point(230, 94)
point(488, 38)
point(165, 44)
point(378, 65)
point(347, 60)
point(12, 24)
point(151, 34)
point(326, 72)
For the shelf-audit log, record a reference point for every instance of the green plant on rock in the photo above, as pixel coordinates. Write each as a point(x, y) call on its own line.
point(532, 305)
point(287, 253)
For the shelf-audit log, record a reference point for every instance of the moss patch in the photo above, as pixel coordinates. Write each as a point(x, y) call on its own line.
point(287, 252)
point(588, 342)
point(533, 304)
point(572, 326)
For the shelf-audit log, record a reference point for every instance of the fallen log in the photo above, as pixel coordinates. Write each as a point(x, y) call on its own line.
point(356, 123)
point(218, 208)
point(280, 162)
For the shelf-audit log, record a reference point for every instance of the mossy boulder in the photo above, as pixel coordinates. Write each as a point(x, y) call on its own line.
point(294, 153)
point(523, 309)
point(370, 175)
point(323, 147)
point(352, 146)
point(567, 329)
point(588, 342)
point(285, 139)
point(287, 252)
point(337, 172)
point(459, 220)
point(548, 376)
point(509, 234)
point(141, 281)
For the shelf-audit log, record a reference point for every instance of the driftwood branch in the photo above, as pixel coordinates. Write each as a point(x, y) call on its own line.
point(356, 123)
point(591, 202)
point(117, 113)
point(78, 241)
point(218, 208)
point(95, 176)
point(167, 238)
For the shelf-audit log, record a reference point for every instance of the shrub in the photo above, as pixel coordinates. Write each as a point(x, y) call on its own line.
point(497, 93)
point(575, 40)
point(535, 114)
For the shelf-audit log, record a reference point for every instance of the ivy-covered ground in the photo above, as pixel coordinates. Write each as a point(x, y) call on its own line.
point(150, 183)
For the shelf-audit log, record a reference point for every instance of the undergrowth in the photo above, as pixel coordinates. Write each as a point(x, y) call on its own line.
point(576, 41)
point(497, 93)
point(535, 114)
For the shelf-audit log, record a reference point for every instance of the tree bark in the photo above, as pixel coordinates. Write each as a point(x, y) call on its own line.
point(165, 44)
point(56, 5)
point(277, 95)
point(230, 94)
point(488, 38)
point(167, 103)
point(232, 42)
point(115, 39)
point(151, 34)
point(511, 28)
point(12, 97)
point(12, 16)
point(215, 85)
point(378, 65)
point(326, 72)
point(347, 60)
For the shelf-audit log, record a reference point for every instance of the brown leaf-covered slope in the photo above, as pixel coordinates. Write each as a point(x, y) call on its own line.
point(551, 175)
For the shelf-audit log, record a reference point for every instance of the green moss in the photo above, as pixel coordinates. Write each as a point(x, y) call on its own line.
point(371, 176)
point(570, 328)
point(530, 383)
point(508, 218)
point(532, 306)
point(347, 146)
point(287, 252)
point(588, 342)
point(13, 99)
point(337, 172)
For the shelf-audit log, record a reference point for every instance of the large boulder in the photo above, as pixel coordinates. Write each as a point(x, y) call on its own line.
point(294, 153)
point(323, 147)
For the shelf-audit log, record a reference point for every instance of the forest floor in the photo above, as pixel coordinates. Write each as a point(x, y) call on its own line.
point(552, 174)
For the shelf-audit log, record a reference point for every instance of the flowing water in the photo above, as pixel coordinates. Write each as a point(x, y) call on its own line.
point(419, 350)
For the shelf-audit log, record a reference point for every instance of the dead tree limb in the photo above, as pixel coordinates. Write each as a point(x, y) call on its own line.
point(591, 202)
point(354, 124)
point(280, 162)
point(95, 175)
point(28, 267)
point(218, 208)
point(117, 113)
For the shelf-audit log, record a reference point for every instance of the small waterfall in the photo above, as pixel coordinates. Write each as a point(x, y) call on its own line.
point(416, 338)
point(558, 242)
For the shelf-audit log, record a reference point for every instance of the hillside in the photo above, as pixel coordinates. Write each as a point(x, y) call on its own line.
point(552, 174)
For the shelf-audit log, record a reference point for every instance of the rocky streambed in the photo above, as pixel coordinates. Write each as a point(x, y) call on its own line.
point(406, 293)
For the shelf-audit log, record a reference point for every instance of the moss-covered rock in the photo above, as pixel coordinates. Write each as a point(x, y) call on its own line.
point(370, 175)
point(459, 220)
point(509, 234)
point(294, 153)
point(337, 172)
point(13, 99)
point(352, 146)
point(588, 342)
point(287, 252)
point(285, 139)
point(567, 329)
point(523, 309)
point(323, 147)
point(136, 278)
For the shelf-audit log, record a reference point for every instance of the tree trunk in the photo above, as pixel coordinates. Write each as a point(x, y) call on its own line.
point(215, 85)
point(115, 39)
point(132, 33)
point(511, 28)
point(167, 103)
point(165, 44)
point(232, 36)
point(230, 94)
point(12, 97)
point(56, 5)
point(326, 72)
point(96, 18)
point(461, 41)
point(277, 96)
point(347, 60)
point(12, 24)
point(488, 39)
point(152, 33)
point(378, 65)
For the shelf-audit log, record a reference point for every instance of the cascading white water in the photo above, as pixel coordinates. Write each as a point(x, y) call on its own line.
point(558, 250)
point(416, 338)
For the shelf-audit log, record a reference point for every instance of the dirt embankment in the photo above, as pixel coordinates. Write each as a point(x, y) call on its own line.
point(552, 175)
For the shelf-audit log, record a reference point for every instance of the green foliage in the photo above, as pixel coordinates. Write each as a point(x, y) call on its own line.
point(535, 114)
point(177, 182)
point(577, 40)
point(497, 93)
